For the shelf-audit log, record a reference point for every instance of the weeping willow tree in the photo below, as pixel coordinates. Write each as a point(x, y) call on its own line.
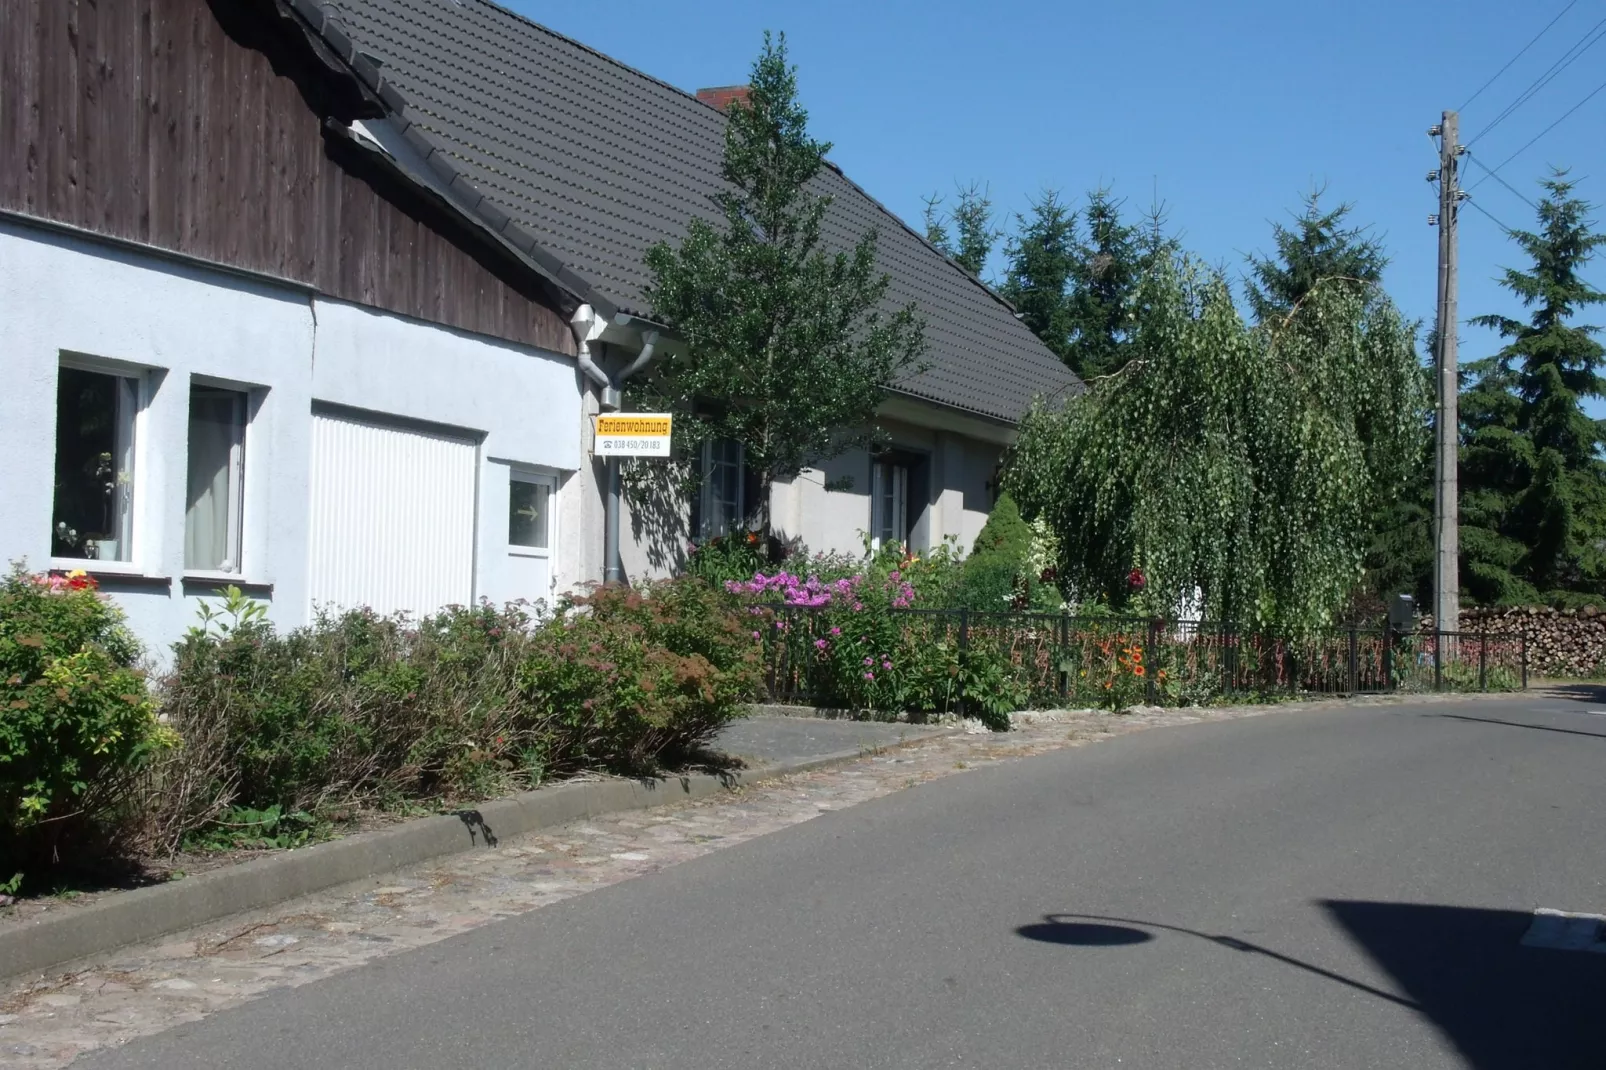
point(1244, 462)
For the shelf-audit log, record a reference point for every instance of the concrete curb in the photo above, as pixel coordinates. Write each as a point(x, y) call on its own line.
point(146, 913)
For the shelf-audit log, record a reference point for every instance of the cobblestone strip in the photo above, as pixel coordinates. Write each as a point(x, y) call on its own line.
point(146, 989)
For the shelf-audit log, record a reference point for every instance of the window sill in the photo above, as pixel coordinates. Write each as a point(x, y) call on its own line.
point(216, 580)
point(103, 571)
point(528, 551)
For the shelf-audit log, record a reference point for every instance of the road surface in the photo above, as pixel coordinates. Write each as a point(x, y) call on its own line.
point(1346, 888)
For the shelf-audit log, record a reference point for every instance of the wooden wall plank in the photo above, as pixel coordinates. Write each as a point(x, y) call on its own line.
point(166, 121)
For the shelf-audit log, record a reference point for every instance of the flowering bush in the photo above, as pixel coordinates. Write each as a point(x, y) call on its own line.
point(841, 632)
point(1125, 675)
point(78, 724)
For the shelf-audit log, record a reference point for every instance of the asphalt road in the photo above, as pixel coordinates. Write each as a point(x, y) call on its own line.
point(1335, 889)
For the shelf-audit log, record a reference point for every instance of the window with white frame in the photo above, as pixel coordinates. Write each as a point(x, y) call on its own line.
point(215, 486)
point(721, 508)
point(889, 504)
point(93, 512)
point(529, 512)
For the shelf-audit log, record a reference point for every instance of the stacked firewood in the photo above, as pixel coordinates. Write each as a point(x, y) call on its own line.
point(1561, 642)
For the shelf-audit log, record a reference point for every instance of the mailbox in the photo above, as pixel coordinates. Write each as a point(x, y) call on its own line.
point(1402, 613)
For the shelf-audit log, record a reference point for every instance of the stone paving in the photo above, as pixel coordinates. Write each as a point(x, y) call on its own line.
point(149, 988)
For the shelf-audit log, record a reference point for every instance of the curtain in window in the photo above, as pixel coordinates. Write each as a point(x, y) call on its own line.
point(214, 435)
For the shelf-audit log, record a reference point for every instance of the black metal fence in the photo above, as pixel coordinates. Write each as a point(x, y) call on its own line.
point(935, 659)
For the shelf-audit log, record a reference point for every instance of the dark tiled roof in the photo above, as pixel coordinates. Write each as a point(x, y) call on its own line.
point(598, 161)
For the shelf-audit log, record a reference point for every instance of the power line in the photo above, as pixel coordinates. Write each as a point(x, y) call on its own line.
point(1542, 133)
point(1518, 56)
point(1490, 216)
point(1584, 44)
point(1491, 174)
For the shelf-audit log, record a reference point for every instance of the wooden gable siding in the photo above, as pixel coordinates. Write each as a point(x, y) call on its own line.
point(166, 122)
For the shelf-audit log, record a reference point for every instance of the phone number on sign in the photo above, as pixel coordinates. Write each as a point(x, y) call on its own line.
point(633, 444)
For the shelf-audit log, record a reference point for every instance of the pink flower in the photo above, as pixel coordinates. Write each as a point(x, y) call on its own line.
point(886, 665)
point(869, 661)
point(836, 631)
point(755, 635)
point(857, 606)
point(820, 644)
point(869, 676)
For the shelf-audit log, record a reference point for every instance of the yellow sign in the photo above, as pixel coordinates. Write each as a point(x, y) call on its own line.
point(632, 424)
point(633, 434)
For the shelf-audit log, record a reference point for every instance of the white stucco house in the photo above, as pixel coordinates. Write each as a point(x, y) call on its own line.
point(326, 317)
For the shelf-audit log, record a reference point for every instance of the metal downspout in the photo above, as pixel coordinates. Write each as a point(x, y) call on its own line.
point(588, 327)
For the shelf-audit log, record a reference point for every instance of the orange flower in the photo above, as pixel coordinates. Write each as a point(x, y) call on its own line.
point(1137, 670)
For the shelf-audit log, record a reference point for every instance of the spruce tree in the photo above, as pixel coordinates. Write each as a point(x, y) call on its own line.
point(1317, 246)
point(1042, 259)
point(974, 234)
point(1534, 497)
point(1109, 264)
point(786, 345)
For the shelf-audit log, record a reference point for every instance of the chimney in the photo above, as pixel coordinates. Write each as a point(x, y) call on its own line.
point(721, 96)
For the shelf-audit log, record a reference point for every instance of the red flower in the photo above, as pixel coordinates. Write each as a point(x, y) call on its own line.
point(1134, 579)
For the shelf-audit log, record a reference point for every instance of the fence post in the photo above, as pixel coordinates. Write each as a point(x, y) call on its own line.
point(1150, 691)
point(1438, 658)
point(1523, 639)
point(1483, 660)
point(964, 649)
point(1354, 659)
point(1388, 657)
point(1064, 654)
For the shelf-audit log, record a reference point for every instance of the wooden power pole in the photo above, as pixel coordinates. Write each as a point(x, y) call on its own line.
point(1447, 422)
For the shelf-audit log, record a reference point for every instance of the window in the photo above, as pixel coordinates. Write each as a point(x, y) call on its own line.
point(213, 497)
point(529, 512)
point(889, 504)
point(721, 508)
point(93, 514)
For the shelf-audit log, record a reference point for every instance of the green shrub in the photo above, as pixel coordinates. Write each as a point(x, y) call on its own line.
point(467, 703)
point(78, 725)
point(999, 575)
point(625, 680)
point(731, 557)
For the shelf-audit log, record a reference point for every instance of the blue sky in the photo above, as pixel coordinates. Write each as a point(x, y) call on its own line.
point(1230, 110)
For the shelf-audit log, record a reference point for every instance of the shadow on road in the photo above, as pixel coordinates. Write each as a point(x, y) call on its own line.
point(1517, 724)
point(1503, 1006)
point(1082, 934)
point(1575, 692)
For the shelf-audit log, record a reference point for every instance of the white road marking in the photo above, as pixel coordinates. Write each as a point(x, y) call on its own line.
point(1560, 930)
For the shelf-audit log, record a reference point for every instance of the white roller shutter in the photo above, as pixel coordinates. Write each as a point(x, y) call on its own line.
point(392, 516)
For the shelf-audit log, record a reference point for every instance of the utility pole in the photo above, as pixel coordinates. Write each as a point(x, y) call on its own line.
point(1447, 422)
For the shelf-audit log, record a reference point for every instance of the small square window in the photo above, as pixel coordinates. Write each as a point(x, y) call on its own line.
point(529, 512)
point(93, 513)
point(214, 493)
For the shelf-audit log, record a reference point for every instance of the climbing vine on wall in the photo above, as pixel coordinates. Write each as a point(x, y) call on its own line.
point(1242, 461)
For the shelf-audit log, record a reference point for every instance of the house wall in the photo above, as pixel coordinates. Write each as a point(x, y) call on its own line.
point(196, 126)
point(64, 294)
point(958, 496)
point(959, 470)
